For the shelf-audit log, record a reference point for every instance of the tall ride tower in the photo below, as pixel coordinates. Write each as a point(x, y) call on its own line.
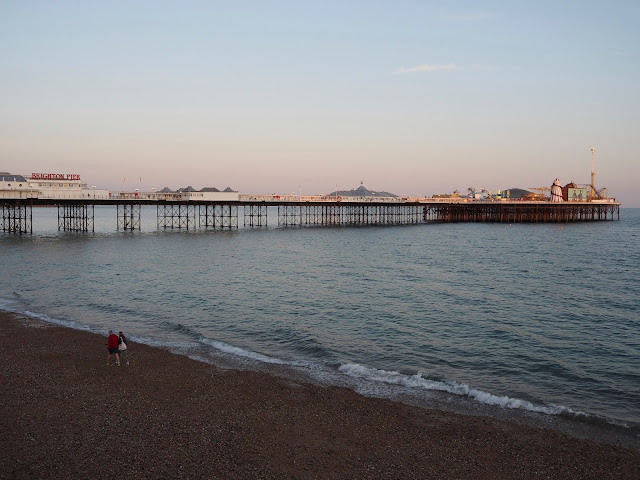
point(593, 172)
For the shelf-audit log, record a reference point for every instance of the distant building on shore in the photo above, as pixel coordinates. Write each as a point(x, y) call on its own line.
point(361, 191)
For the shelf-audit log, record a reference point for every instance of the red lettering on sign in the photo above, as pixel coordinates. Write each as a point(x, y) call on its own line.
point(55, 176)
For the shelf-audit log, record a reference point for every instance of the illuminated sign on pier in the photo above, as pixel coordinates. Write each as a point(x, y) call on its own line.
point(54, 176)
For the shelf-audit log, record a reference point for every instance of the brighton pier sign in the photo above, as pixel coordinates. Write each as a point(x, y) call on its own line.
point(54, 176)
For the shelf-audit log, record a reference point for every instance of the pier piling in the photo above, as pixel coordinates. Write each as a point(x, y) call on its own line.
point(78, 215)
point(128, 215)
point(176, 216)
point(17, 218)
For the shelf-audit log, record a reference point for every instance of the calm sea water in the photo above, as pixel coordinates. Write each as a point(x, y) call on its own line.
point(537, 318)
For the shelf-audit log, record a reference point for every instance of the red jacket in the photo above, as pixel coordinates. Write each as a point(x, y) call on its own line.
point(113, 341)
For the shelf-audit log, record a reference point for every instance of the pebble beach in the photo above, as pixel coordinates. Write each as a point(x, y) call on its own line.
point(65, 414)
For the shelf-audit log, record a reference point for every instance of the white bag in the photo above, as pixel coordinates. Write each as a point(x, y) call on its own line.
point(122, 346)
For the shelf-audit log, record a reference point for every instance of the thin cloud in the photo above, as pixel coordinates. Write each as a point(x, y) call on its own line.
point(619, 53)
point(469, 17)
point(483, 68)
point(427, 68)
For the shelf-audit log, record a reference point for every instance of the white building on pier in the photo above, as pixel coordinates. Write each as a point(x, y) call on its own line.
point(48, 185)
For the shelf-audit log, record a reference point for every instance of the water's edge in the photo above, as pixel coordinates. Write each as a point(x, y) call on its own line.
point(388, 385)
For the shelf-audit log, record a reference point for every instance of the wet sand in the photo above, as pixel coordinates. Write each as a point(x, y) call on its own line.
point(65, 414)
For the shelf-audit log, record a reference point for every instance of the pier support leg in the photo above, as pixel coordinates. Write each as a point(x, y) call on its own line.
point(226, 216)
point(176, 216)
point(76, 217)
point(255, 215)
point(17, 218)
point(289, 215)
point(128, 216)
point(205, 216)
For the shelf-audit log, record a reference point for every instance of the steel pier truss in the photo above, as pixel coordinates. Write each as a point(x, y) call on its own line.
point(255, 215)
point(17, 218)
point(176, 216)
point(224, 216)
point(128, 216)
point(517, 213)
point(76, 217)
point(289, 215)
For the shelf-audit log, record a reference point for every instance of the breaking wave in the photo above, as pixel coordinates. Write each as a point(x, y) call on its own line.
point(240, 352)
point(417, 381)
point(11, 306)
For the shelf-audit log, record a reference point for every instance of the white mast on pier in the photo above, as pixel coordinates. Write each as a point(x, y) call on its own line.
point(593, 172)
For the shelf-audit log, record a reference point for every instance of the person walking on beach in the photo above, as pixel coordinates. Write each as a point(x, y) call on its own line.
point(112, 347)
point(124, 348)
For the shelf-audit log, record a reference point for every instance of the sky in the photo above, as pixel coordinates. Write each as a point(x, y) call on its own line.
point(411, 97)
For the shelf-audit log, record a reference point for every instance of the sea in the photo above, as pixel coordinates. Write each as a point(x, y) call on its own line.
point(539, 323)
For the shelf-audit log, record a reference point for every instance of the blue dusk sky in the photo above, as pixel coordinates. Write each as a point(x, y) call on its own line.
point(413, 97)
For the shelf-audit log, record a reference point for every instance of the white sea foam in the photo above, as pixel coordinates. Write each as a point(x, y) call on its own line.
point(8, 305)
point(455, 388)
point(11, 306)
point(357, 371)
point(240, 352)
point(179, 347)
point(56, 321)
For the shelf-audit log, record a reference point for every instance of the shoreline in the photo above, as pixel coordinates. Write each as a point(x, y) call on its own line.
point(66, 414)
point(575, 424)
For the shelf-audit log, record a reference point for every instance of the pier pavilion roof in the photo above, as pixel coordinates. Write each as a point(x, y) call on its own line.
point(7, 177)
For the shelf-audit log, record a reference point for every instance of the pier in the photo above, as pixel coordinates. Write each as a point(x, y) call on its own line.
point(77, 215)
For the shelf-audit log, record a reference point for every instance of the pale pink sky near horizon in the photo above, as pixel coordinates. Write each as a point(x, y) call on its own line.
point(318, 176)
point(409, 98)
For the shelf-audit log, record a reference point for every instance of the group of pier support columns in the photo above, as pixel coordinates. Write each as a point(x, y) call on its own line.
point(17, 218)
point(176, 216)
point(183, 216)
point(78, 216)
point(526, 213)
point(128, 215)
point(345, 214)
point(255, 215)
point(223, 216)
